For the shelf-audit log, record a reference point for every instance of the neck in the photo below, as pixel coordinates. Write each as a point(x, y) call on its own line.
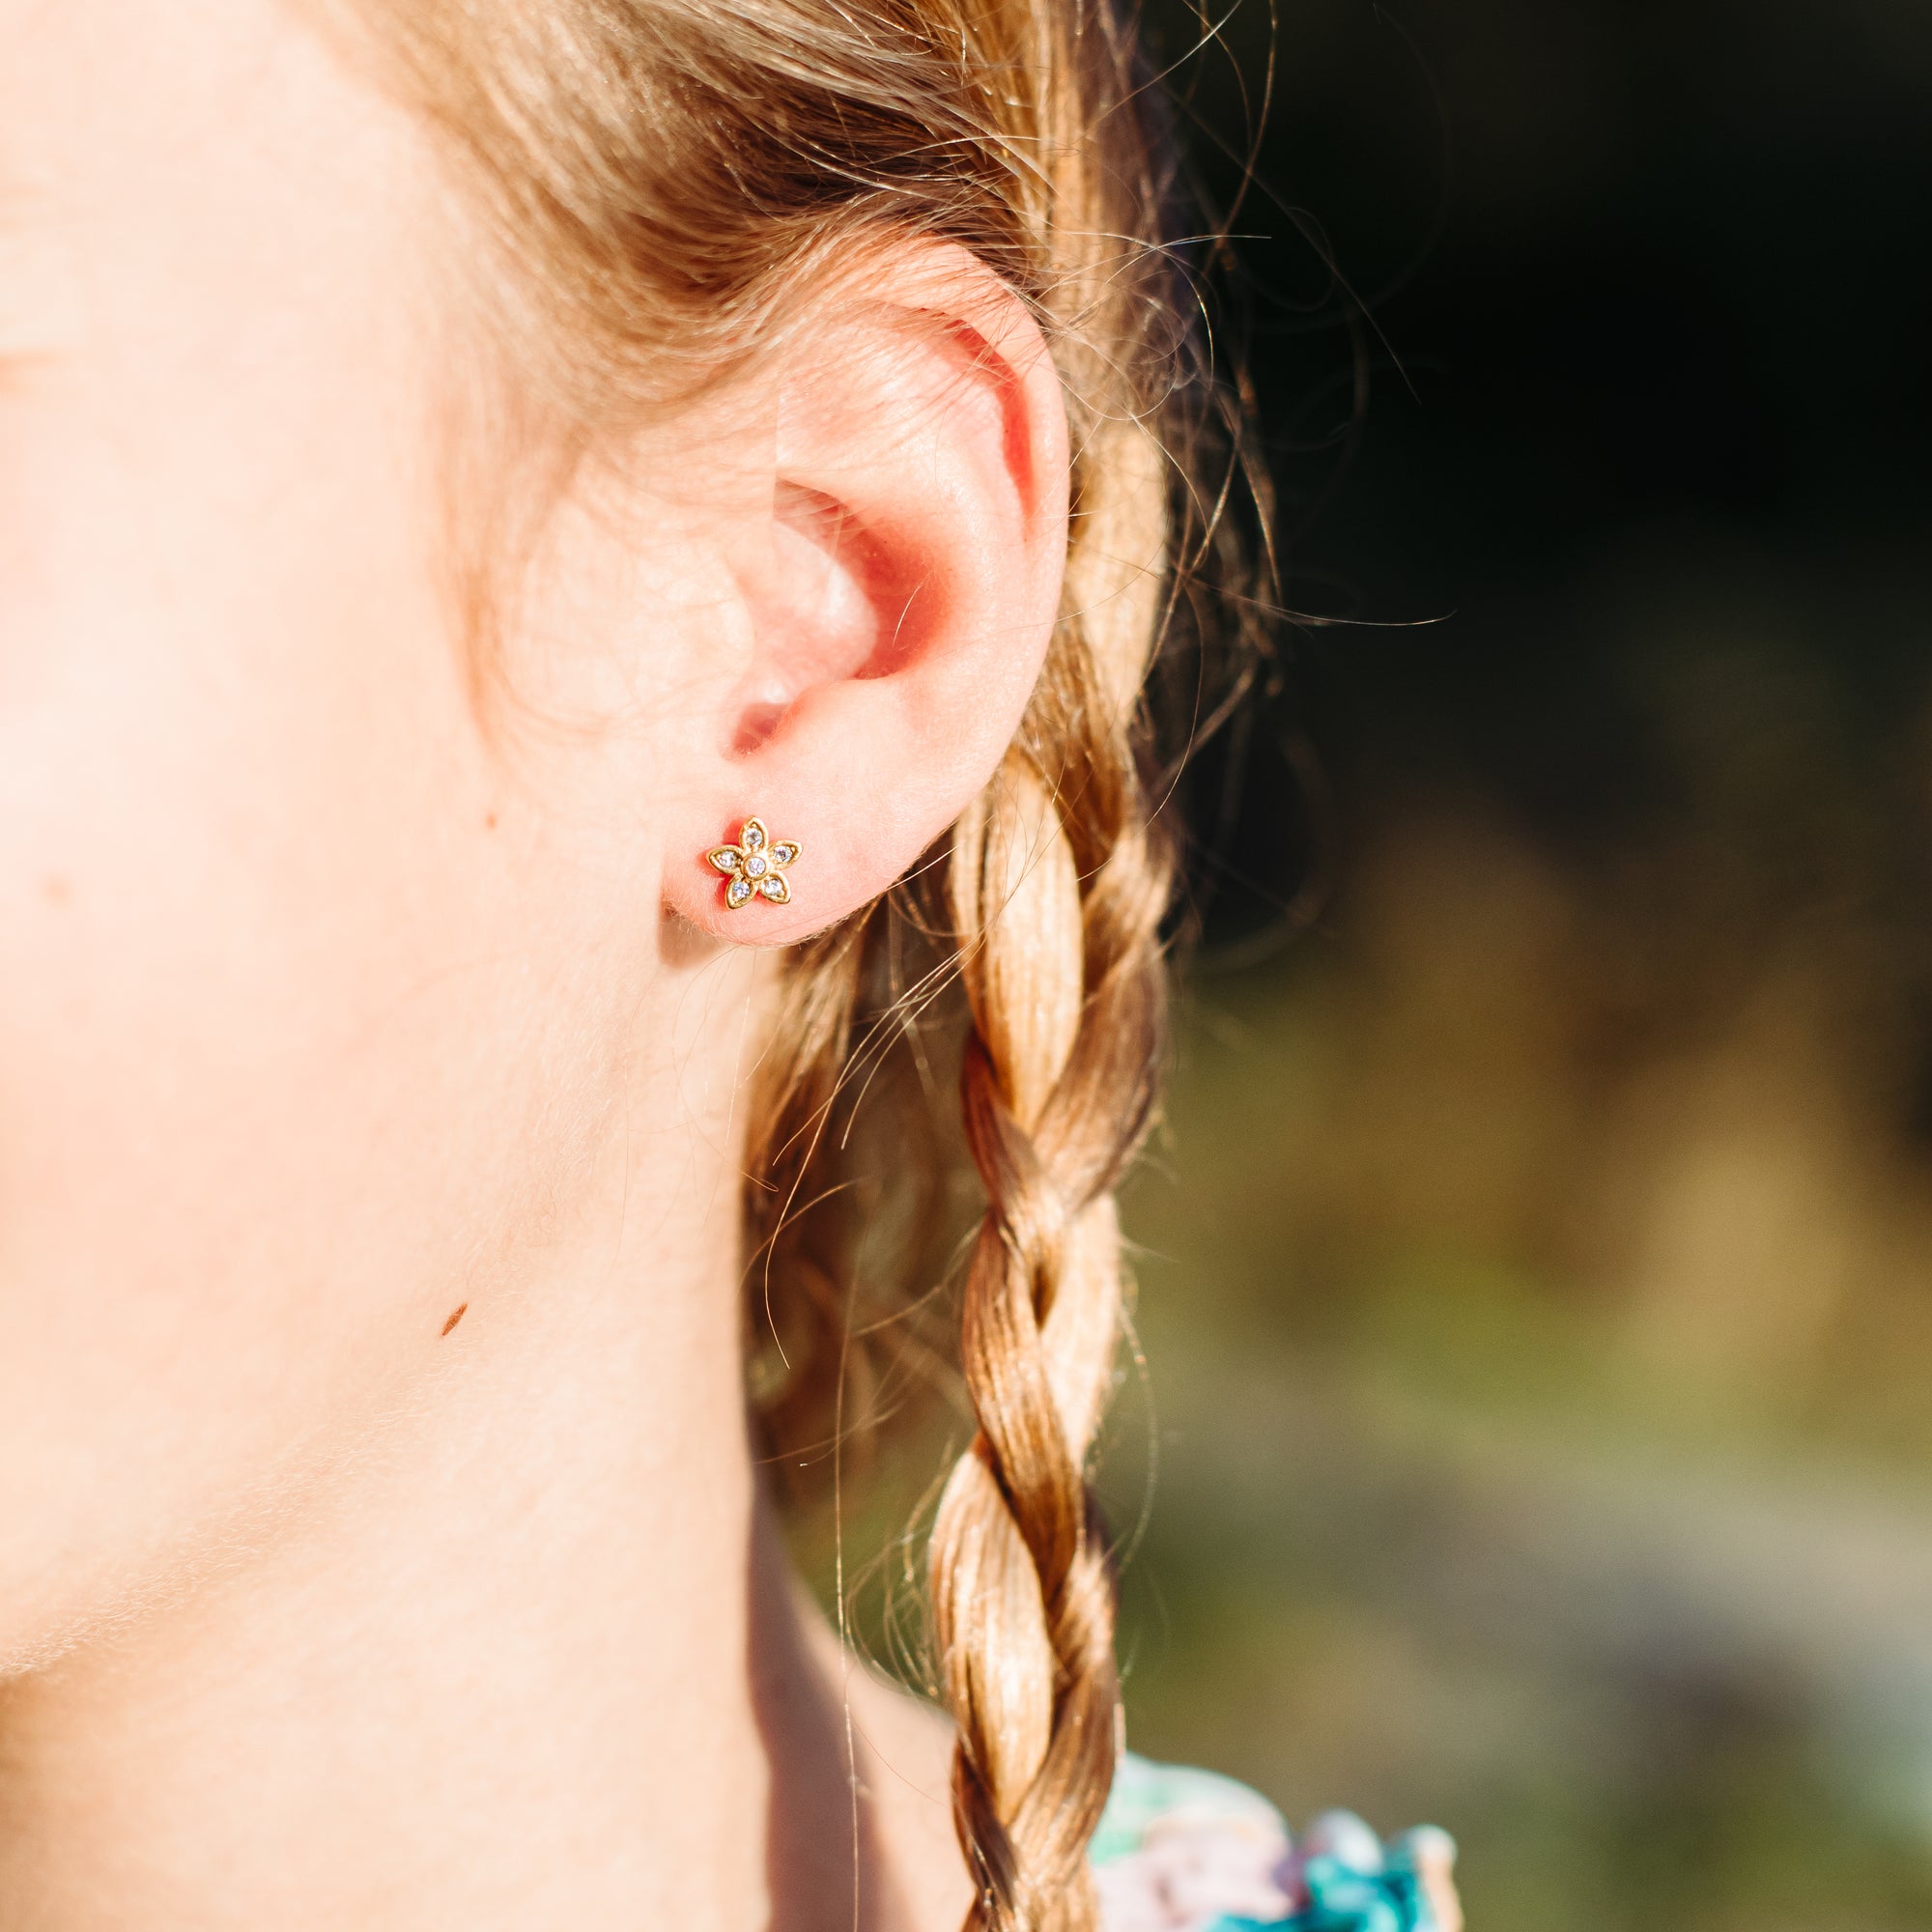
point(529, 1656)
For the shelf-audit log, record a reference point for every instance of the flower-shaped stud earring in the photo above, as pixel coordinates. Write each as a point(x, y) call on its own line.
point(756, 865)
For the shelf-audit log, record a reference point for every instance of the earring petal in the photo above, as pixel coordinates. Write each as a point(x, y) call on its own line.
point(775, 889)
point(753, 836)
point(782, 854)
point(727, 858)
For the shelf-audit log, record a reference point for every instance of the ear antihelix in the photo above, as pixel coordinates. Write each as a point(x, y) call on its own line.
point(754, 865)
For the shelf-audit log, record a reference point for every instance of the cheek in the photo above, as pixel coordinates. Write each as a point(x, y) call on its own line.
point(251, 932)
point(255, 938)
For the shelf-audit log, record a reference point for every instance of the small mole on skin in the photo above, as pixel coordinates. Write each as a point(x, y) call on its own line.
point(489, 823)
point(55, 890)
point(456, 1318)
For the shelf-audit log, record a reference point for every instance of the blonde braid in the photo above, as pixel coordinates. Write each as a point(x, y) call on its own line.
point(1058, 893)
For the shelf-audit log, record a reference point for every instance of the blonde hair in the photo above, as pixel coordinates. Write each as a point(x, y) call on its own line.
point(671, 172)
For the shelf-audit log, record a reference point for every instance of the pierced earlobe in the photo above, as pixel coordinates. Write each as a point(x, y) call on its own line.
point(754, 867)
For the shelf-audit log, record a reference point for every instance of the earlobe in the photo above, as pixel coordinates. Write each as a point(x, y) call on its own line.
point(754, 865)
point(901, 589)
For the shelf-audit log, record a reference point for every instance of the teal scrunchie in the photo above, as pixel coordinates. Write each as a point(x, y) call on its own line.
point(1351, 1881)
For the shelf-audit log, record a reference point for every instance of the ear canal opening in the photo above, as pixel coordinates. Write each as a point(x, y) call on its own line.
point(755, 724)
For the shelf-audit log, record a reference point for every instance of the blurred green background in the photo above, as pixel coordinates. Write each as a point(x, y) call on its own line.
point(1531, 1424)
point(1536, 1271)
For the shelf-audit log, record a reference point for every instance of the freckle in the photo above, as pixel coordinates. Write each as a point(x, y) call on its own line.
point(489, 823)
point(56, 890)
point(456, 1318)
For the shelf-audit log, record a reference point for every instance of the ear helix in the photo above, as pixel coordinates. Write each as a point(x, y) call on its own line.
point(754, 867)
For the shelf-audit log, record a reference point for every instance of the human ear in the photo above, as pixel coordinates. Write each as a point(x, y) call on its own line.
point(900, 584)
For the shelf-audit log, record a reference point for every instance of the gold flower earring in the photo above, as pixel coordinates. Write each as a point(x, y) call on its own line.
point(756, 865)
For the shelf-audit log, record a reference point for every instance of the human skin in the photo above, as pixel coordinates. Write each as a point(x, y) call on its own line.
point(342, 988)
